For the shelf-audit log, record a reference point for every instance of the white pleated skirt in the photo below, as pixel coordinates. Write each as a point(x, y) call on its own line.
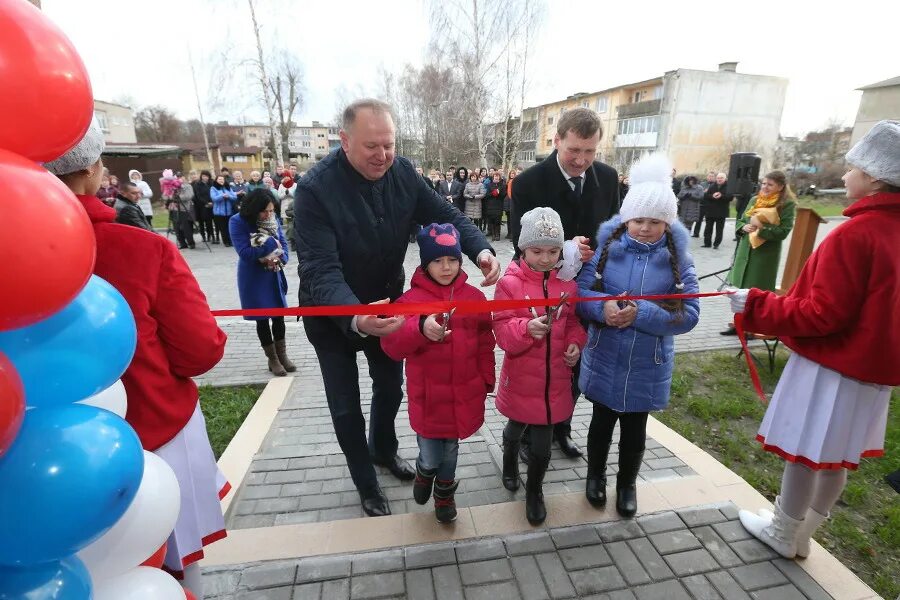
point(203, 485)
point(822, 419)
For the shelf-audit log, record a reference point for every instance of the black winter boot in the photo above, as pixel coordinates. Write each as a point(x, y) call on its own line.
point(423, 483)
point(510, 464)
point(444, 503)
point(525, 446)
point(535, 510)
point(595, 483)
point(626, 491)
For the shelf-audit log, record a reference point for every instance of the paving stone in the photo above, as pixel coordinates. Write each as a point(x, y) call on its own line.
point(430, 555)
point(282, 593)
point(700, 588)
point(527, 575)
point(674, 541)
point(310, 516)
point(617, 531)
point(782, 592)
point(716, 546)
point(277, 505)
point(251, 521)
point(528, 543)
point(653, 563)
point(482, 549)
point(254, 492)
point(668, 590)
point(268, 575)
point(555, 576)
point(294, 476)
point(758, 576)
point(419, 585)
point(801, 579)
point(277, 464)
point(377, 586)
point(659, 475)
point(665, 463)
point(732, 531)
point(628, 563)
point(485, 571)
point(569, 537)
point(585, 557)
point(697, 517)
point(301, 489)
point(730, 511)
point(591, 581)
point(753, 551)
point(376, 562)
point(691, 562)
point(220, 584)
point(447, 583)
point(727, 586)
point(307, 591)
point(319, 568)
point(667, 521)
point(495, 591)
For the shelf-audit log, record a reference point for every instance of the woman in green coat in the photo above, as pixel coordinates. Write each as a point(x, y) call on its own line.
point(767, 222)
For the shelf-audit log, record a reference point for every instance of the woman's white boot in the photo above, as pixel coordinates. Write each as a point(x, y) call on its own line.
point(779, 533)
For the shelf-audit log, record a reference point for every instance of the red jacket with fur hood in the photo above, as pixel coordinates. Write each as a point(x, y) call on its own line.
point(446, 382)
point(177, 337)
point(844, 310)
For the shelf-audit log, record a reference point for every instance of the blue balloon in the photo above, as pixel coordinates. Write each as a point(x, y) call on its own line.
point(68, 477)
point(77, 352)
point(67, 579)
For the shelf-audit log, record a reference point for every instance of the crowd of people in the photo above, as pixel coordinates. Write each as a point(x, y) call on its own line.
point(578, 230)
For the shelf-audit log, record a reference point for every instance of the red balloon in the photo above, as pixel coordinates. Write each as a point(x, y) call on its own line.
point(52, 104)
point(156, 561)
point(189, 596)
point(12, 403)
point(39, 274)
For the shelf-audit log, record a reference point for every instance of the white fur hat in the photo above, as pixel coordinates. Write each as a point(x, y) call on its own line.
point(650, 191)
point(83, 155)
point(877, 154)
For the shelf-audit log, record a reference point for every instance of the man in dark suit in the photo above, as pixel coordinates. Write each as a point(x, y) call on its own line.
point(585, 193)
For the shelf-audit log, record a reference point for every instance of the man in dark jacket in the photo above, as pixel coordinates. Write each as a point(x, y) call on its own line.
point(127, 210)
point(717, 206)
point(585, 193)
point(353, 213)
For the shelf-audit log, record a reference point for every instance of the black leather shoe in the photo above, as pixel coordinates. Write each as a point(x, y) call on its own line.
point(730, 331)
point(595, 491)
point(626, 501)
point(398, 467)
point(568, 447)
point(374, 502)
point(525, 453)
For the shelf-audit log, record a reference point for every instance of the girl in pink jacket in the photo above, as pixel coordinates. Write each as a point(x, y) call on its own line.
point(542, 345)
point(449, 367)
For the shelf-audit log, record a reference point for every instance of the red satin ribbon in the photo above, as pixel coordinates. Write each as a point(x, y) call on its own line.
point(473, 307)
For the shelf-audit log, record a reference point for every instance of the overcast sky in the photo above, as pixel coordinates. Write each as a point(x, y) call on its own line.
point(138, 49)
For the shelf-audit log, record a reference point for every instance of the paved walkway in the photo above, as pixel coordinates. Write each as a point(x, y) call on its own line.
point(244, 361)
point(700, 553)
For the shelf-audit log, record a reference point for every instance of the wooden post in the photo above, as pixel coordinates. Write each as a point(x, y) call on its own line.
point(803, 240)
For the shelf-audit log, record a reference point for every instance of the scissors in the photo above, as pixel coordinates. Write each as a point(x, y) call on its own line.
point(553, 311)
point(447, 316)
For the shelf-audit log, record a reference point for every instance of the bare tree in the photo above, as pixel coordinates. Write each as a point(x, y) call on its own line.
point(739, 139)
point(157, 124)
point(286, 87)
point(264, 83)
point(209, 156)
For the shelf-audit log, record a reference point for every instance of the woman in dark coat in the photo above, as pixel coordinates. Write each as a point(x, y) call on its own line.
point(203, 207)
point(689, 197)
point(259, 241)
point(458, 187)
point(493, 206)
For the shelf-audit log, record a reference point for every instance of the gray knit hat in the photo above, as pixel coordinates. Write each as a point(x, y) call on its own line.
point(83, 155)
point(541, 226)
point(878, 153)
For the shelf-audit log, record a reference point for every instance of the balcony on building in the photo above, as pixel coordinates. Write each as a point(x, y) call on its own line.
point(639, 109)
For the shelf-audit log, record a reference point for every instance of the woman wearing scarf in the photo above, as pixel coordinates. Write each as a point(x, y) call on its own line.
point(458, 187)
point(767, 222)
point(223, 201)
point(263, 252)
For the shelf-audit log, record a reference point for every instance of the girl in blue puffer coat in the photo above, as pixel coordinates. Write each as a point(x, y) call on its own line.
point(626, 367)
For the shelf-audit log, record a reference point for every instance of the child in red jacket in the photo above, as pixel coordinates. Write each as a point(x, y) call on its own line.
point(450, 367)
point(840, 318)
point(542, 345)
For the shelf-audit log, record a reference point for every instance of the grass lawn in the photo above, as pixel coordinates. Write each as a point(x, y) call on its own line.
point(225, 409)
point(826, 206)
point(714, 406)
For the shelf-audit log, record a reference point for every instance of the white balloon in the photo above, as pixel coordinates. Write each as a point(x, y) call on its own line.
point(113, 399)
point(143, 528)
point(140, 583)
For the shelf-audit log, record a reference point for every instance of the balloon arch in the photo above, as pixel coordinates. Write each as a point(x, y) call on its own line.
point(85, 512)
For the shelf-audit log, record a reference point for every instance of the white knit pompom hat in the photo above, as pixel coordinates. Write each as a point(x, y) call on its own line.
point(877, 154)
point(650, 193)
